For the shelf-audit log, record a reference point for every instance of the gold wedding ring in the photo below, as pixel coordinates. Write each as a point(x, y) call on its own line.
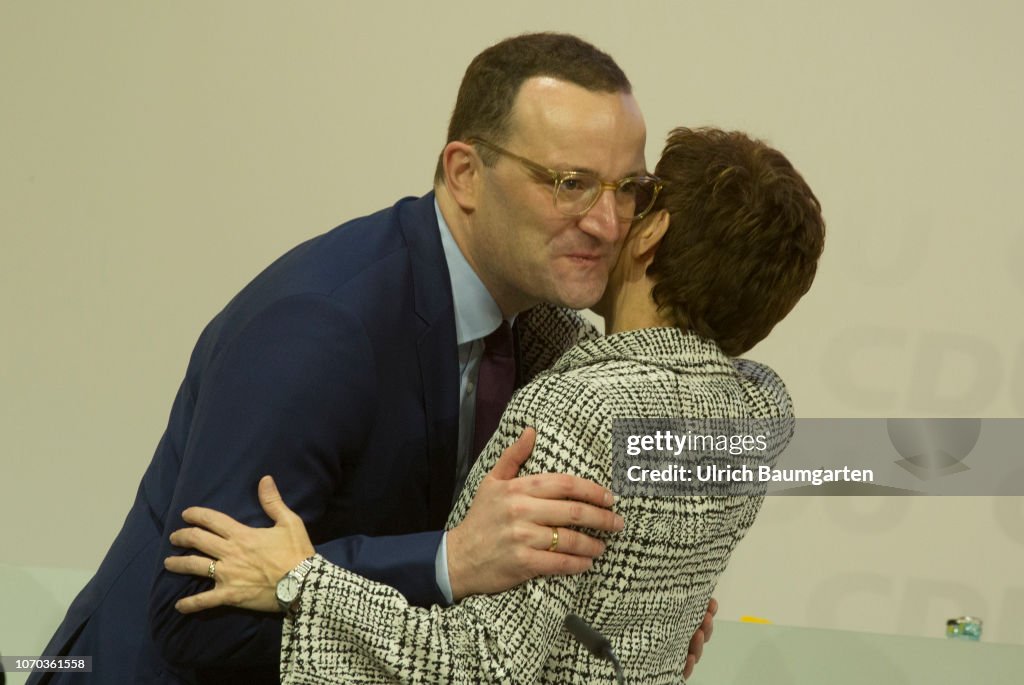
point(554, 540)
point(212, 571)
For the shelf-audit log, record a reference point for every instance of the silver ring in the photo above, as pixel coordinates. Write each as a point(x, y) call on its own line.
point(554, 540)
point(212, 571)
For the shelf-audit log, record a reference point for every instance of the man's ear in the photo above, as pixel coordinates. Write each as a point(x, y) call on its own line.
point(461, 166)
point(647, 235)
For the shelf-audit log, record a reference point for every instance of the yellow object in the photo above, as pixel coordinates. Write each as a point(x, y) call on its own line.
point(754, 619)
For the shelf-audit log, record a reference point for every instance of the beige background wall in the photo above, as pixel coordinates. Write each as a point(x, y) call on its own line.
point(154, 156)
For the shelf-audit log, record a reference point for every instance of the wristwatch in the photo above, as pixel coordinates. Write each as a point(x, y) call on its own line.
point(290, 585)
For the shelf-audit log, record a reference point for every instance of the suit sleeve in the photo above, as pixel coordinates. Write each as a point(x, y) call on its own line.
point(291, 396)
point(349, 625)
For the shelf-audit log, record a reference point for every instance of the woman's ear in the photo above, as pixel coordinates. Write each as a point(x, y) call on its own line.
point(461, 166)
point(647, 235)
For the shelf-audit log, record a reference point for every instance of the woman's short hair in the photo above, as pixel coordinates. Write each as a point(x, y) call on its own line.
point(744, 237)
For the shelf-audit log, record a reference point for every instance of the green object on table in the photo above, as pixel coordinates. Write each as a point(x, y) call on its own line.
point(964, 628)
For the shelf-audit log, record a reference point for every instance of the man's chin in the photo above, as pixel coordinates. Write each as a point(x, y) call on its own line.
point(583, 297)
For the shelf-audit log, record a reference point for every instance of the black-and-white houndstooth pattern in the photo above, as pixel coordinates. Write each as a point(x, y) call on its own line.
point(647, 592)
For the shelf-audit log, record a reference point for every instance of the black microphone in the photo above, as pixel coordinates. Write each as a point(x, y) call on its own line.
point(596, 643)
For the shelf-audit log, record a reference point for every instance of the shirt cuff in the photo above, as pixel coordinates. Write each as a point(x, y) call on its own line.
point(444, 584)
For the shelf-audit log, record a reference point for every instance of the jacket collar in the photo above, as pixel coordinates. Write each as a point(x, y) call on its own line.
point(666, 347)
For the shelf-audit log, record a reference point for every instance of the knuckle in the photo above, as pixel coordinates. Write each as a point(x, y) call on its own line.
point(517, 509)
point(515, 534)
point(521, 557)
point(569, 565)
point(538, 482)
point(568, 541)
point(590, 547)
point(520, 535)
point(608, 521)
point(582, 545)
point(566, 485)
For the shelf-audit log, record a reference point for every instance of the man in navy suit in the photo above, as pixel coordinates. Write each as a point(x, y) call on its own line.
point(347, 370)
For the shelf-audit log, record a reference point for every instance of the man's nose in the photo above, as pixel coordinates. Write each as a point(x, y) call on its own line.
point(602, 220)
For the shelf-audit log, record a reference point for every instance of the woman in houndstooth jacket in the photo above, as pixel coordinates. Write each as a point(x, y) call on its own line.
point(732, 245)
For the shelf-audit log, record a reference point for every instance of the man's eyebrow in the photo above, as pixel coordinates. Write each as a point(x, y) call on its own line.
point(586, 170)
point(638, 172)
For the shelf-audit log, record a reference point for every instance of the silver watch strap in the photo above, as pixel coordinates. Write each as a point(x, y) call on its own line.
point(302, 569)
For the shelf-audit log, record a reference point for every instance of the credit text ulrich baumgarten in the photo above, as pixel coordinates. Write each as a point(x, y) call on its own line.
point(667, 442)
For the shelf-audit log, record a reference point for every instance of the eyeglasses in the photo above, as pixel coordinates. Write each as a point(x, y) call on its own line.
point(576, 192)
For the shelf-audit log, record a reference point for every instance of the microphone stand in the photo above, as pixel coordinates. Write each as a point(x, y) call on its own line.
point(596, 643)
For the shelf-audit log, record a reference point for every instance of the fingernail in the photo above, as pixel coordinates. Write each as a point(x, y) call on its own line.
point(609, 498)
point(620, 522)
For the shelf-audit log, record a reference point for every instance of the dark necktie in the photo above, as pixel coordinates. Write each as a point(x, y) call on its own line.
point(495, 382)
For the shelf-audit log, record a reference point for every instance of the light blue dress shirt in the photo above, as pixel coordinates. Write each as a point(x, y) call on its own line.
point(477, 315)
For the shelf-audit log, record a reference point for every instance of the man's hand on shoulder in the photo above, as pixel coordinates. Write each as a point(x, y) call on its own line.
point(520, 528)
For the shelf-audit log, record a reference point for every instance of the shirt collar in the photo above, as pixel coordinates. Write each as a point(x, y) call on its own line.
point(476, 312)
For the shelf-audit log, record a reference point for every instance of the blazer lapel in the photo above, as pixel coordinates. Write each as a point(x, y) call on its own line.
point(437, 350)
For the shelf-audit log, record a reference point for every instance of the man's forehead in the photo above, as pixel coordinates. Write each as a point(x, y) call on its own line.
point(545, 98)
point(571, 126)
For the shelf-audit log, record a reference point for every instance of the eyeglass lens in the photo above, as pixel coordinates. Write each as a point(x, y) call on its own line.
point(578, 193)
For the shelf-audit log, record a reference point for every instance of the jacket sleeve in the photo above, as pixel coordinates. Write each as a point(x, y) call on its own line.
point(349, 629)
point(291, 396)
point(352, 626)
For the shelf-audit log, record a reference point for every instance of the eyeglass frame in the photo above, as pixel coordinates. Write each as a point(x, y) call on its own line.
point(559, 177)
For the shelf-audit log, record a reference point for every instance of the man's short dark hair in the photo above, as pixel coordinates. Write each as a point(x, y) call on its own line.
point(744, 237)
point(492, 81)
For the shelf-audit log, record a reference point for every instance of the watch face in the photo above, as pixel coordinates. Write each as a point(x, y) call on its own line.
point(288, 589)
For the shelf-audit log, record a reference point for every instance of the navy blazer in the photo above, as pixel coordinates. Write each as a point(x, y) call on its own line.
point(336, 371)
